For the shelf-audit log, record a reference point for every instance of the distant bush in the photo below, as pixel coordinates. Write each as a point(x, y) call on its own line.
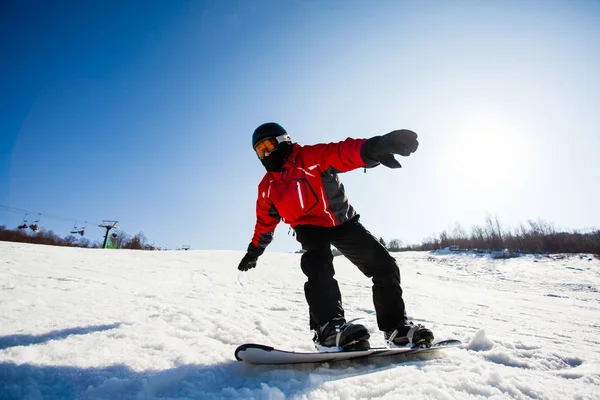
point(538, 236)
point(138, 242)
point(120, 240)
point(41, 237)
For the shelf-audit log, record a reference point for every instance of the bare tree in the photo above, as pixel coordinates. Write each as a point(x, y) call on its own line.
point(138, 242)
point(119, 239)
point(395, 245)
point(70, 240)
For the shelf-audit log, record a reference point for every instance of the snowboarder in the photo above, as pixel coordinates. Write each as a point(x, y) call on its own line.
point(302, 187)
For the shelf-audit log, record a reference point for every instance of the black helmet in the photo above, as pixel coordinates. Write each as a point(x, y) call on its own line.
point(275, 161)
point(270, 129)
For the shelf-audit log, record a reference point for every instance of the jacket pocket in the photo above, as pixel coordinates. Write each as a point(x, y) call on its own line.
point(307, 198)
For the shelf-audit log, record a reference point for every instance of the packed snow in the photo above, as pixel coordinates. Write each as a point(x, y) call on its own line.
point(118, 324)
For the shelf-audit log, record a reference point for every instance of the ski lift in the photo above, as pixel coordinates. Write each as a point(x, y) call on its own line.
point(77, 230)
point(24, 224)
point(34, 226)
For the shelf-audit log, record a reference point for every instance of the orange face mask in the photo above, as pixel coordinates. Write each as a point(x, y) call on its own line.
point(266, 146)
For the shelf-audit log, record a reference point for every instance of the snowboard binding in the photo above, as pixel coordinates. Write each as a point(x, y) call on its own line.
point(345, 336)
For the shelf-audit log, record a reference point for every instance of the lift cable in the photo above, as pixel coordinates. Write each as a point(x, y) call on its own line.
point(46, 216)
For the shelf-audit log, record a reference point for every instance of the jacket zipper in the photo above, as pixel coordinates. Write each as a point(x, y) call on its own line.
point(300, 194)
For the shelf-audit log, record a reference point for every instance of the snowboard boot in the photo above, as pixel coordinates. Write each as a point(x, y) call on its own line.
point(339, 335)
point(409, 334)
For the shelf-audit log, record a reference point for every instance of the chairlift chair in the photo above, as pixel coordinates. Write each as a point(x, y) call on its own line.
point(34, 226)
point(24, 224)
point(77, 231)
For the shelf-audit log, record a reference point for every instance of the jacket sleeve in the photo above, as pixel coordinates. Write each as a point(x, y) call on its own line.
point(267, 218)
point(342, 156)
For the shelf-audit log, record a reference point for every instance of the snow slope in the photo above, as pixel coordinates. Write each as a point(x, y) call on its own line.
point(106, 324)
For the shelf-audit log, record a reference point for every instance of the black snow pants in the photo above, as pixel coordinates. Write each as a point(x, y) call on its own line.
point(363, 250)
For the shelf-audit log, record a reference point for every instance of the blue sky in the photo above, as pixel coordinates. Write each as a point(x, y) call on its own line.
point(142, 112)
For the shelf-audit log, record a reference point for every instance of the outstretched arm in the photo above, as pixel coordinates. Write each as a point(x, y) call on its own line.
point(356, 153)
point(342, 156)
point(267, 219)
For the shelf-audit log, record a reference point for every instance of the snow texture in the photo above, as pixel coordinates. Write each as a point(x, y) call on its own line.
point(107, 324)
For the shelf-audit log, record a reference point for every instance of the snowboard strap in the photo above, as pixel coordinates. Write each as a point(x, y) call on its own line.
point(393, 336)
point(410, 334)
point(340, 328)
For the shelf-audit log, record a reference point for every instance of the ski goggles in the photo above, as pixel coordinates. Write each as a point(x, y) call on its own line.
point(266, 146)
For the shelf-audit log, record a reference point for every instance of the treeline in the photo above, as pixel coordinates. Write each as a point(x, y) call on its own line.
point(120, 240)
point(537, 236)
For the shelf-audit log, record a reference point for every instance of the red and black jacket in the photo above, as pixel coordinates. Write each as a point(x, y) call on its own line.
point(308, 191)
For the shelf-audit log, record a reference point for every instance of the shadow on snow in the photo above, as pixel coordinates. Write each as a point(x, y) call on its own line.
point(226, 380)
point(26, 340)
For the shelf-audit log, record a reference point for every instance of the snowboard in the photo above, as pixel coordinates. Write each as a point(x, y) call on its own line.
point(259, 354)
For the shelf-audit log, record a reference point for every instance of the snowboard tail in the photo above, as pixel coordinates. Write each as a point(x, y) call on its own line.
point(260, 354)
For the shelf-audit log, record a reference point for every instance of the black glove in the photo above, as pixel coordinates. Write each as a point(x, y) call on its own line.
point(382, 148)
point(251, 257)
point(248, 262)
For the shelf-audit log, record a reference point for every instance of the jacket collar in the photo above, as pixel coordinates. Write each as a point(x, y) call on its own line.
point(289, 163)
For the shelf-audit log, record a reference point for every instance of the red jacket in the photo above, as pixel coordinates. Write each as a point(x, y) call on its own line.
point(308, 191)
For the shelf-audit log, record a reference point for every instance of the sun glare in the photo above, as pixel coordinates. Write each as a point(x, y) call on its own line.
point(486, 150)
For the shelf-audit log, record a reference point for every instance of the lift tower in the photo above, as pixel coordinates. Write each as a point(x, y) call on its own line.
point(108, 225)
